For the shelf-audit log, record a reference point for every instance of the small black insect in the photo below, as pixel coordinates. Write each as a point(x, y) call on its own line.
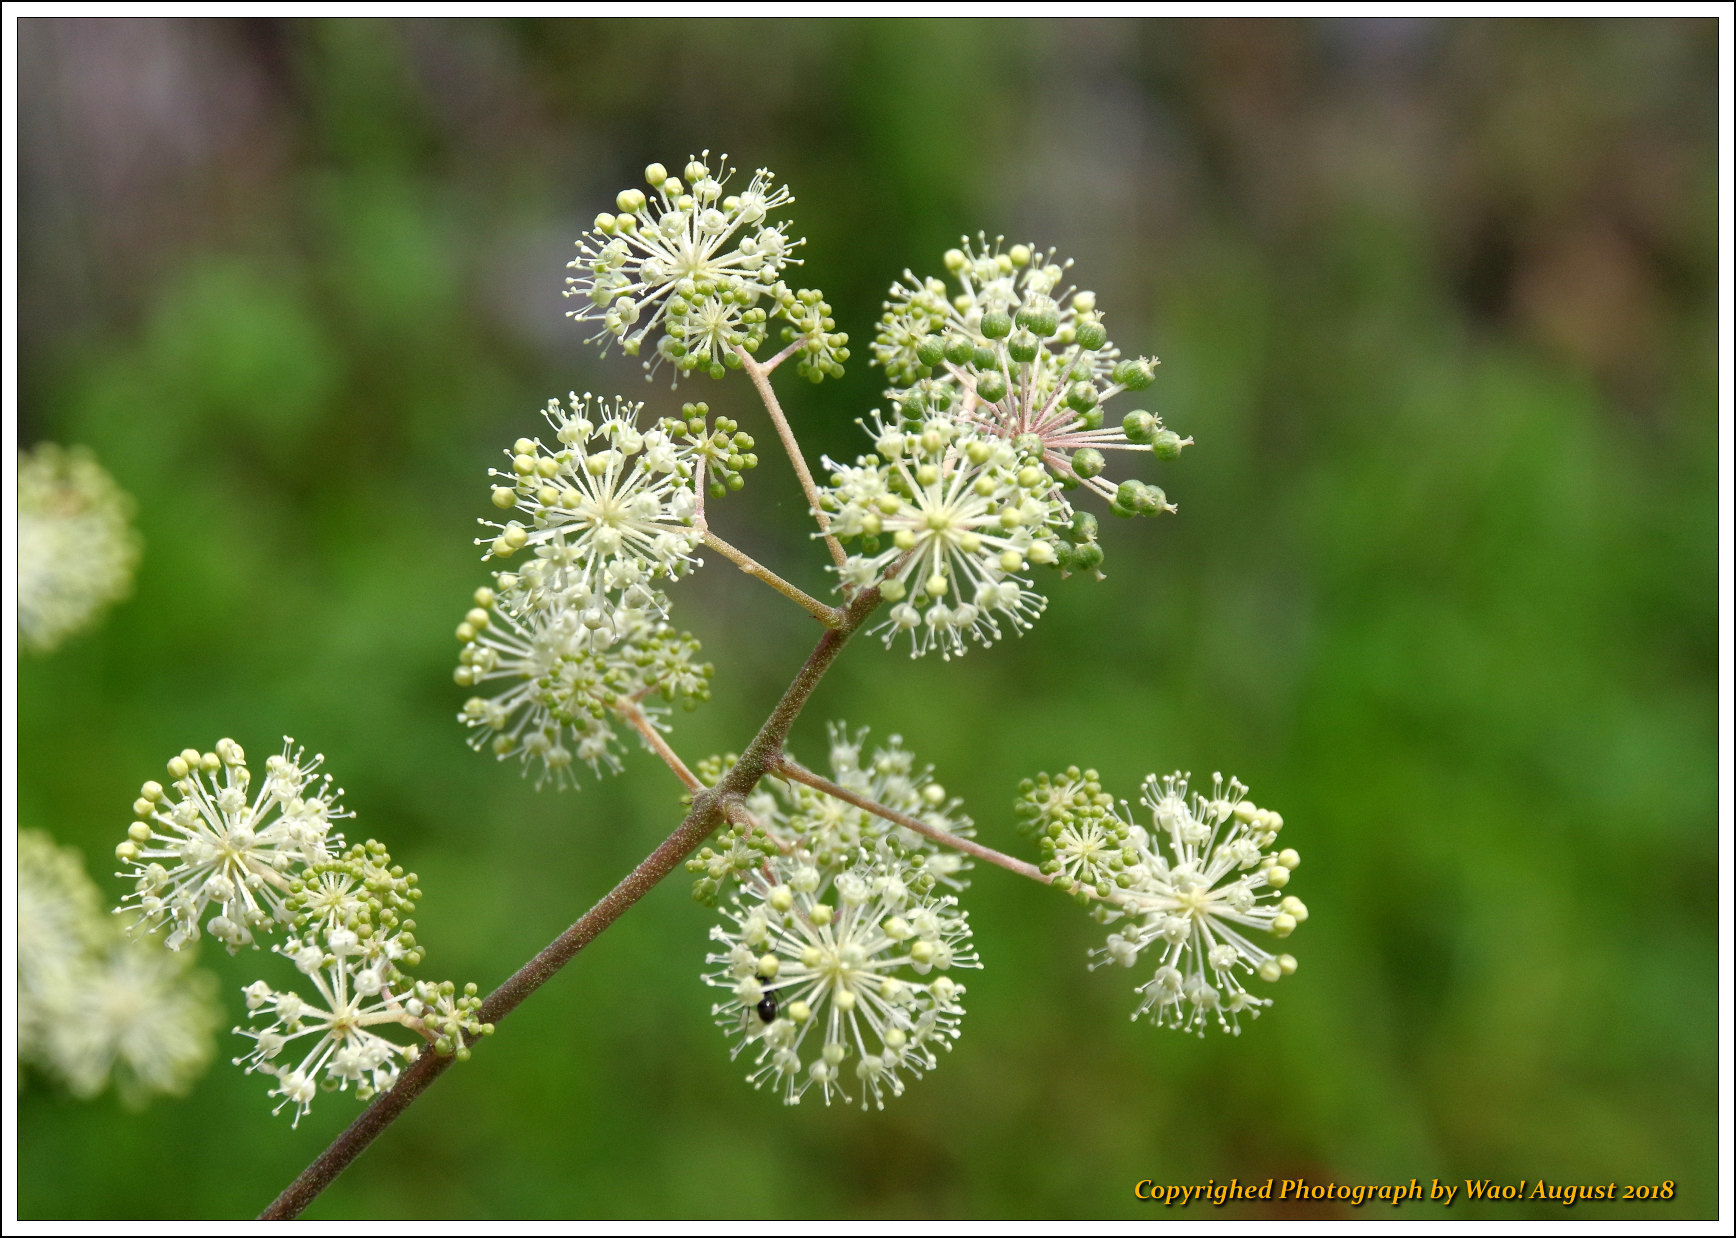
point(768, 1006)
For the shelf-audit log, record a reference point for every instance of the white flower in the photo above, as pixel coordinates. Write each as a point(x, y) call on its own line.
point(59, 926)
point(964, 513)
point(205, 843)
point(93, 1004)
point(137, 1014)
point(338, 1046)
point(612, 507)
point(688, 260)
point(1204, 875)
point(566, 669)
point(842, 982)
point(76, 545)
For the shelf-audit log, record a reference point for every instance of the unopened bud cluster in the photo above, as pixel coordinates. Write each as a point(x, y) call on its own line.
point(265, 861)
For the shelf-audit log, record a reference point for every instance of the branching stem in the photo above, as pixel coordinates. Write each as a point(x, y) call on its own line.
point(831, 616)
point(641, 722)
point(785, 767)
point(710, 807)
point(762, 382)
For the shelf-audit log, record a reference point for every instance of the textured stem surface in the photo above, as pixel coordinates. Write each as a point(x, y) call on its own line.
point(710, 807)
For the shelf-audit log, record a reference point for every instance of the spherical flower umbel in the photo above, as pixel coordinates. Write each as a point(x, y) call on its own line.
point(565, 671)
point(210, 841)
point(612, 506)
point(1016, 356)
point(76, 544)
point(688, 263)
point(964, 512)
point(1189, 889)
point(340, 1048)
point(840, 980)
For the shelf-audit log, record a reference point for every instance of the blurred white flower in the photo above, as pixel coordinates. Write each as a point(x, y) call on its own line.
point(76, 544)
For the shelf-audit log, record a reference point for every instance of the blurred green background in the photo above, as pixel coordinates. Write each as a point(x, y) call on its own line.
point(1436, 300)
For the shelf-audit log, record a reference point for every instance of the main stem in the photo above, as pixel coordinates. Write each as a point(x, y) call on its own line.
point(709, 809)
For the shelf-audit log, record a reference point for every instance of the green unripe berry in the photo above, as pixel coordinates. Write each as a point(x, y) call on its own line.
point(1082, 396)
point(931, 350)
point(1087, 462)
point(958, 350)
point(1135, 373)
point(1090, 335)
point(1082, 528)
point(1166, 444)
point(991, 387)
point(1029, 444)
point(1138, 426)
point(1149, 502)
point(1086, 558)
point(997, 325)
point(1022, 348)
point(984, 359)
point(1091, 419)
point(1040, 320)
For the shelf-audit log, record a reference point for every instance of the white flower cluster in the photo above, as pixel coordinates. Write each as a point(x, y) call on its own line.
point(76, 544)
point(1015, 355)
point(838, 937)
point(609, 514)
point(700, 271)
point(840, 979)
point(564, 680)
point(94, 1004)
point(267, 861)
point(1190, 887)
point(211, 841)
point(945, 518)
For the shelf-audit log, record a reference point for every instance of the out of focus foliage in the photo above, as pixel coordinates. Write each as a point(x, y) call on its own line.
point(1435, 299)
